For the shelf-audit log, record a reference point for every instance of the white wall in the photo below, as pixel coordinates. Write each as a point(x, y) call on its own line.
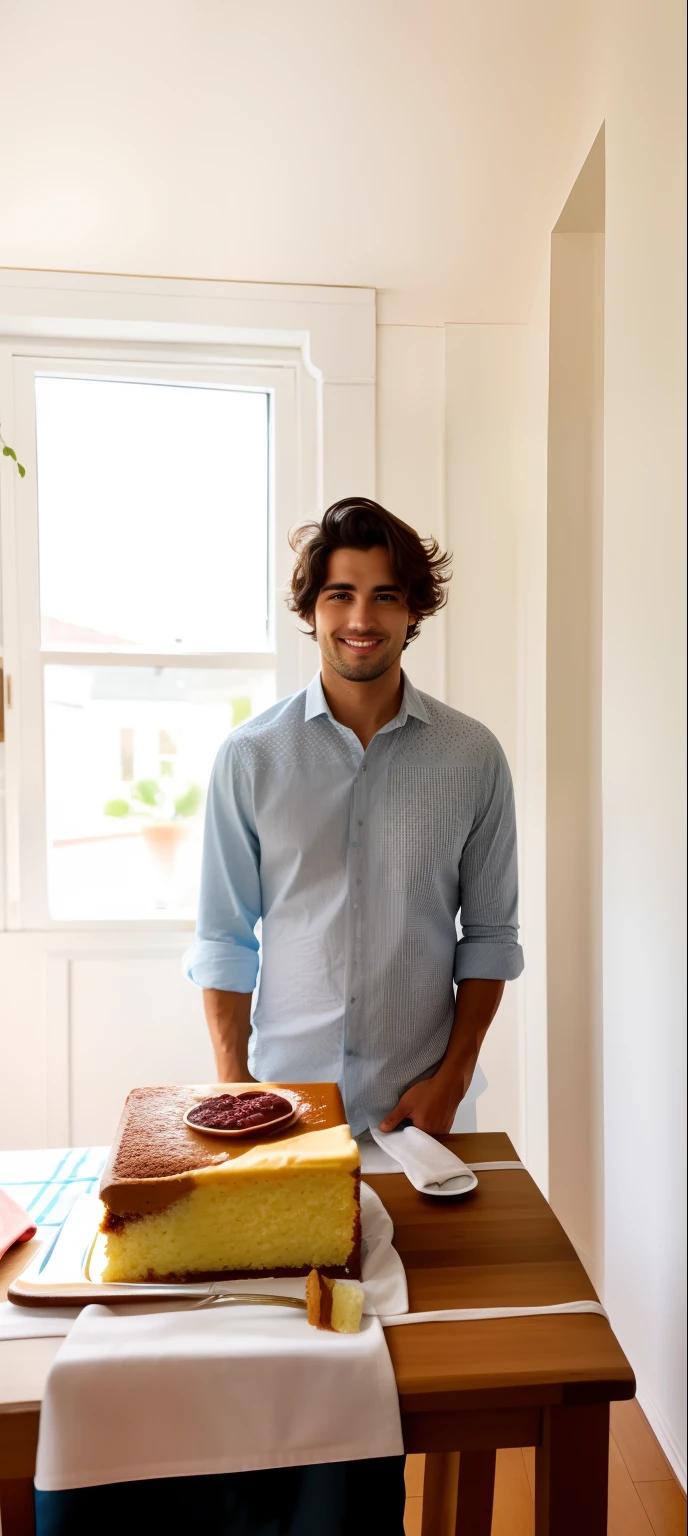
point(411, 462)
point(384, 145)
point(484, 377)
point(574, 769)
point(643, 712)
point(639, 89)
point(73, 1019)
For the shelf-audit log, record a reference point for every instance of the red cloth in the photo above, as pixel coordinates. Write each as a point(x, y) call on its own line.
point(15, 1225)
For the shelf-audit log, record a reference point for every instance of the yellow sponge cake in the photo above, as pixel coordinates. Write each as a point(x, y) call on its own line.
point(184, 1204)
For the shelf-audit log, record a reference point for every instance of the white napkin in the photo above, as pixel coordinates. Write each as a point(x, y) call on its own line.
point(429, 1167)
point(384, 1276)
point(139, 1393)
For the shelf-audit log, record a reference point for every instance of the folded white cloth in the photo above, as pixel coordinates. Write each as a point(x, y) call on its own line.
point(374, 1159)
point(139, 1393)
point(384, 1276)
point(429, 1167)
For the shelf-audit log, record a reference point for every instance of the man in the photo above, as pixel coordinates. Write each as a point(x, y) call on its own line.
point(357, 819)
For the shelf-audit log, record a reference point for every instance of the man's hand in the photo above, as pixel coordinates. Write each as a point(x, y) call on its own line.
point(430, 1105)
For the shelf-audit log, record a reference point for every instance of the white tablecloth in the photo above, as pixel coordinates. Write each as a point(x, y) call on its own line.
point(138, 1394)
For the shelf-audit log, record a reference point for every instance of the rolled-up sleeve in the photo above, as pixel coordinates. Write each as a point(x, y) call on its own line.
point(224, 954)
point(488, 882)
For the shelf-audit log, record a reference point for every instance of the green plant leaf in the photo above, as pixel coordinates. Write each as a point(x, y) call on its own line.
point(9, 453)
point(147, 791)
point(116, 808)
point(22, 470)
point(241, 710)
point(190, 802)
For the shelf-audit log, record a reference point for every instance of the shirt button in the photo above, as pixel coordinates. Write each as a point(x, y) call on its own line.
point(354, 845)
point(359, 823)
point(358, 882)
point(355, 906)
point(365, 768)
point(353, 999)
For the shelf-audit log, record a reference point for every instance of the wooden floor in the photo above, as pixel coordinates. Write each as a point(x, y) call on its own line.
point(644, 1496)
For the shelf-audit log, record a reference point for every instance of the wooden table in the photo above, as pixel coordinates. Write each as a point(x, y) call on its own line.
point(465, 1389)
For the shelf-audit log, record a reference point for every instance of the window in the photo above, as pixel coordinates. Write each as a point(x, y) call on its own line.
point(128, 754)
point(153, 516)
point(122, 506)
point(155, 619)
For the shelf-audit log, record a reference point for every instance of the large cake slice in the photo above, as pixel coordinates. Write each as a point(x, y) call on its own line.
point(181, 1204)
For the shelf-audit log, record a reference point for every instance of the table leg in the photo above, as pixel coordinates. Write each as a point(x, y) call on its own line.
point(458, 1493)
point(16, 1507)
point(440, 1484)
point(475, 1493)
point(571, 1472)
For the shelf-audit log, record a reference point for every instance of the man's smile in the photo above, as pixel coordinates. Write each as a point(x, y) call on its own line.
point(367, 644)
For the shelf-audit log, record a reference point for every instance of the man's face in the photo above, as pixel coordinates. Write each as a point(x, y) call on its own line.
point(361, 615)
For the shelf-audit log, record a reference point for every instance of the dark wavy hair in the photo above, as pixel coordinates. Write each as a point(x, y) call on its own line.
point(357, 523)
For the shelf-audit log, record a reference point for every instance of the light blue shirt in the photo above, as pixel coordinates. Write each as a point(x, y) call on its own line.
point(356, 864)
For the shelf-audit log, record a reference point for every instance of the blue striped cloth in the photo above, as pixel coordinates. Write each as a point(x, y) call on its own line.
point(46, 1182)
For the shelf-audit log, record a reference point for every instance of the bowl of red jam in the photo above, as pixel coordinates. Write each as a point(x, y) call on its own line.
point(253, 1112)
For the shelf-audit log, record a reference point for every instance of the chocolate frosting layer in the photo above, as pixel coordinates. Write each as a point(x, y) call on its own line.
point(154, 1154)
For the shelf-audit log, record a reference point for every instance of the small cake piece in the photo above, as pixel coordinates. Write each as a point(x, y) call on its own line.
point(332, 1305)
point(181, 1204)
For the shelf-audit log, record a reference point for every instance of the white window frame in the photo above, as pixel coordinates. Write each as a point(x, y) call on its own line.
point(322, 432)
point(26, 787)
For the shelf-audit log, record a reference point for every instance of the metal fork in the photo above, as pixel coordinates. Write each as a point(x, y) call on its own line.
point(251, 1299)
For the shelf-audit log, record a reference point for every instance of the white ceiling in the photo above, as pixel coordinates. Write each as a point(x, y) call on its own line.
point(422, 147)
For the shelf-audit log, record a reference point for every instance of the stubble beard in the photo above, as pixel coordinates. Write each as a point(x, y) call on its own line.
point(367, 670)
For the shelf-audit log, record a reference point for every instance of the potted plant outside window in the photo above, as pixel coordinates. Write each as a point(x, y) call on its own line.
point(165, 812)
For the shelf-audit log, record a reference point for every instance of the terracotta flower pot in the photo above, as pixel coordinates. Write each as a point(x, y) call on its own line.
point(163, 840)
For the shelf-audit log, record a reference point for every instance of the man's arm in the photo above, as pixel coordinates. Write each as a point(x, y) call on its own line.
point(228, 1016)
point(223, 959)
point(432, 1104)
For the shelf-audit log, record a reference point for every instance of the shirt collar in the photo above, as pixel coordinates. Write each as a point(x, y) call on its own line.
point(411, 704)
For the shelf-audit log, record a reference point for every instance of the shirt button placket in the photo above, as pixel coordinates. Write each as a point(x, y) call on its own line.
point(357, 822)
